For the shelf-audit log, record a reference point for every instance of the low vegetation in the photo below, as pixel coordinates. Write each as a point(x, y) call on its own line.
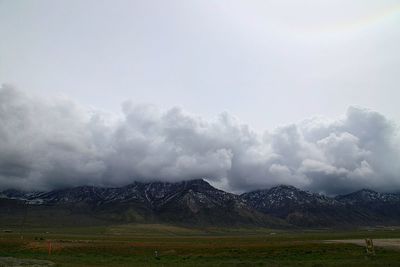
point(163, 245)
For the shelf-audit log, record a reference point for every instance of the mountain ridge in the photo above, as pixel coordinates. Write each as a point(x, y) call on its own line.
point(193, 202)
point(196, 202)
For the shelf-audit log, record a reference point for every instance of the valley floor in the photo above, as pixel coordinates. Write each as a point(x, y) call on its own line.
point(162, 245)
point(393, 243)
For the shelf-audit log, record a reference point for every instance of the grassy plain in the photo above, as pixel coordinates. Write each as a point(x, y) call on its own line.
point(135, 245)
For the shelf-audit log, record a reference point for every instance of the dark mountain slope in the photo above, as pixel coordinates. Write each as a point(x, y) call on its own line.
point(197, 203)
point(190, 202)
point(303, 208)
point(375, 207)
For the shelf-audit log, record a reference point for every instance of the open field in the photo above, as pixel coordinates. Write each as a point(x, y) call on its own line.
point(135, 245)
point(385, 243)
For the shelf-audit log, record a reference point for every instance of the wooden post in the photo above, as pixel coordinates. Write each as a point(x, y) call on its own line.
point(49, 247)
point(369, 246)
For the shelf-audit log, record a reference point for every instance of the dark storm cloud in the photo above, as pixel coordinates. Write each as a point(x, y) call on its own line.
point(47, 144)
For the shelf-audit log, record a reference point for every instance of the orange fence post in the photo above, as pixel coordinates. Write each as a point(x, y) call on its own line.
point(49, 246)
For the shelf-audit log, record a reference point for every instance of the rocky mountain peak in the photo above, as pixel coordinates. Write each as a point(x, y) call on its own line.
point(196, 201)
point(367, 195)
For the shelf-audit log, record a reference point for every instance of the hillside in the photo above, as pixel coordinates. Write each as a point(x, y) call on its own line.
point(197, 203)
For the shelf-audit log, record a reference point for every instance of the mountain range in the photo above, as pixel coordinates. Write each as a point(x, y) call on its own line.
point(197, 203)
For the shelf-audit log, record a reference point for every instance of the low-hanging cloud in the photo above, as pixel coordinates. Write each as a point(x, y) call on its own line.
point(47, 144)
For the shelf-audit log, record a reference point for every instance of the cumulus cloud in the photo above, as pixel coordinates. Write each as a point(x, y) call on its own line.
point(47, 144)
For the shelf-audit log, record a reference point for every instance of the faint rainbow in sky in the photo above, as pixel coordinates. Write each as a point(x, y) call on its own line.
point(364, 23)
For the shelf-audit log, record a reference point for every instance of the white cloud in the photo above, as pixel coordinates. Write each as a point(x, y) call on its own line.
point(58, 143)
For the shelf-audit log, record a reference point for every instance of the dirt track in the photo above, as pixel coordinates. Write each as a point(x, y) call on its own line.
point(387, 243)
point(14, 262)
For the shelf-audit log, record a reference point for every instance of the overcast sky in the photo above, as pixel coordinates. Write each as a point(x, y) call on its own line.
point(267, 62)
point(254, 71)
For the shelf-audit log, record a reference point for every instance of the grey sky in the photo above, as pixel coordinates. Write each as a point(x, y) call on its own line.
point(231, 85)
point(56, 142)
point(267, 62)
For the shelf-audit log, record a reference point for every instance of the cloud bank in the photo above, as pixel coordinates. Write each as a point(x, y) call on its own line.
point(47, 144)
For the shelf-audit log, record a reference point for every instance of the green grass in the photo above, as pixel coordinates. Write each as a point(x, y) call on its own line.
point(134, 245)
